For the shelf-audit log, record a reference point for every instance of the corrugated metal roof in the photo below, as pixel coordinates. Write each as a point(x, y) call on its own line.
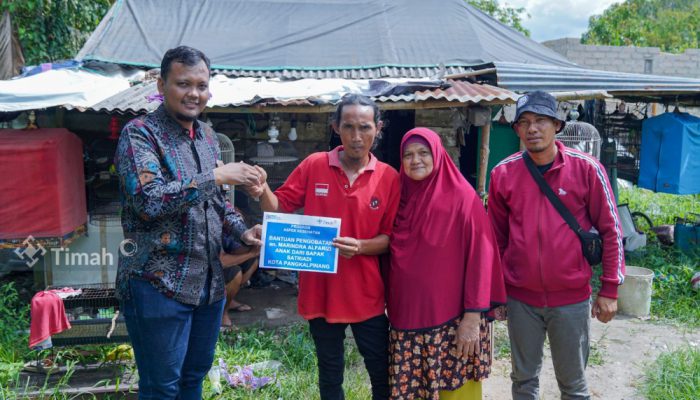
point(528, 77)
point(135, 100)
point(139, 100)
point(460, 92)
point(360, 73)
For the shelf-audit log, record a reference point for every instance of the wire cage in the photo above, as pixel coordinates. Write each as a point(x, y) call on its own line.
point(93, 315)
point(581, 136)
point(228, 155)
point(625, 129)
point(107, 213)
point(278, 159)
point(102, 183)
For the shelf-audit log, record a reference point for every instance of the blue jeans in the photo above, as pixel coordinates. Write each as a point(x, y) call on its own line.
point(173, 342)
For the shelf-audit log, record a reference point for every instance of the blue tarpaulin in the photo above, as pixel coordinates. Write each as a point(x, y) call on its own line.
point(670, 161)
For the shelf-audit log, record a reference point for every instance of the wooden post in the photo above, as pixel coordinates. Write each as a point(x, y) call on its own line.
point(483, 158)
point(60, 117)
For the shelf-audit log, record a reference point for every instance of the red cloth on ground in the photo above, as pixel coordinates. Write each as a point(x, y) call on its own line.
point(444, 254)
point(48, 317)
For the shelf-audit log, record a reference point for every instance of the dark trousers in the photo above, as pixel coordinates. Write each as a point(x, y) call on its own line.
point(173, 342)
point(372, 338)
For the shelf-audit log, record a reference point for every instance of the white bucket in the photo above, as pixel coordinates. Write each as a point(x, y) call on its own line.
point(634, 296)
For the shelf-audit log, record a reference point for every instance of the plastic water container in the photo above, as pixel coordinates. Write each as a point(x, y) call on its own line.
point(634, 296)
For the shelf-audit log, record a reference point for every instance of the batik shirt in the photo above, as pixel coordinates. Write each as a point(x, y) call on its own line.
point(173, 214)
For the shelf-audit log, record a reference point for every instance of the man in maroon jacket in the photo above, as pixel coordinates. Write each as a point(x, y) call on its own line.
point(547, 277)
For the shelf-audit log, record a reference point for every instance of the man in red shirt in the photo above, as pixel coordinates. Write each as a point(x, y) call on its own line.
point(349, 183)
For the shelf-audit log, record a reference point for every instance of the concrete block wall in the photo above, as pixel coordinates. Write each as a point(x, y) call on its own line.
point(440, 121)
point(628, 58)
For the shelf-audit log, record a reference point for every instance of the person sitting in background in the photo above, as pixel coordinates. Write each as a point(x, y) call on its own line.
point(239, 263)
point(238, 268)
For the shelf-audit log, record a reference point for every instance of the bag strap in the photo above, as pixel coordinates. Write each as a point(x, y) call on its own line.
point(547, 190)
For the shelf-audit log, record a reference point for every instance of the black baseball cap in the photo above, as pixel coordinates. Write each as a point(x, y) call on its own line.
point(538, 102)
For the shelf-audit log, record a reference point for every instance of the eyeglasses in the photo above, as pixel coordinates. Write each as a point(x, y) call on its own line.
point(539, 123)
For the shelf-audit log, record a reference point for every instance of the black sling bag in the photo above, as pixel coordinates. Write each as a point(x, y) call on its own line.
point(591, 243)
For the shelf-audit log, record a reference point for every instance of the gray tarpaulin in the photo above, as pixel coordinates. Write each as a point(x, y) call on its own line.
point(266, 35)
point(11, 59)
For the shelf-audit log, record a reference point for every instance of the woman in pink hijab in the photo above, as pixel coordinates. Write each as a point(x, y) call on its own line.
point(445, 274)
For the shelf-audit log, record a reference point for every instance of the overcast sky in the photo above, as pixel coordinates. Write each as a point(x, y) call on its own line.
point(559, 18)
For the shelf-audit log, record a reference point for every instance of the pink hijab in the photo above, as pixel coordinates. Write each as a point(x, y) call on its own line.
point(444, 255)
point(417, 205)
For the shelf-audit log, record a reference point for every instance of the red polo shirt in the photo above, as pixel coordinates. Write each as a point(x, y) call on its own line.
point(366, 209)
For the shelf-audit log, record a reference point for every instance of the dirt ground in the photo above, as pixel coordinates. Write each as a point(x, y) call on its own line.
point(273, 306)
point(625, 345)
point(620, 349)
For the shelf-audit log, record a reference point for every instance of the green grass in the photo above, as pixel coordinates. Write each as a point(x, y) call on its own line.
point(298, 376)
point(15, 321)
point(661, 208)
point(596, 355)
point(674, 375)
point(673, 301)
point(13, 341)
point(501, 343)
point(673, 298)
point(292, 346)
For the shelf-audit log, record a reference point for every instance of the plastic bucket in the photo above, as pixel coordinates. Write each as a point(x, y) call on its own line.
point(634, 296)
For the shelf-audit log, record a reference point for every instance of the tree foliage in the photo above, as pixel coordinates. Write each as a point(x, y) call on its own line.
point(51, 30)
point(510, 16)
point(671, 25)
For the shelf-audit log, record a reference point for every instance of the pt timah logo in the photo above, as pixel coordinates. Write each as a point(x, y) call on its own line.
point(321, 189)
point(31, 251)
point(562, 192)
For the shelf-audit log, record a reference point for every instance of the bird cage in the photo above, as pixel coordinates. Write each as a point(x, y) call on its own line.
point(93, 315)
point(278, 159)
point(581, 136)
point(227, 150)
point(626, 131)
point(228, 155)
point(102, 183)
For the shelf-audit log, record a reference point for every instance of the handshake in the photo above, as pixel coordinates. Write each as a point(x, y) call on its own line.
point(252, 178)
